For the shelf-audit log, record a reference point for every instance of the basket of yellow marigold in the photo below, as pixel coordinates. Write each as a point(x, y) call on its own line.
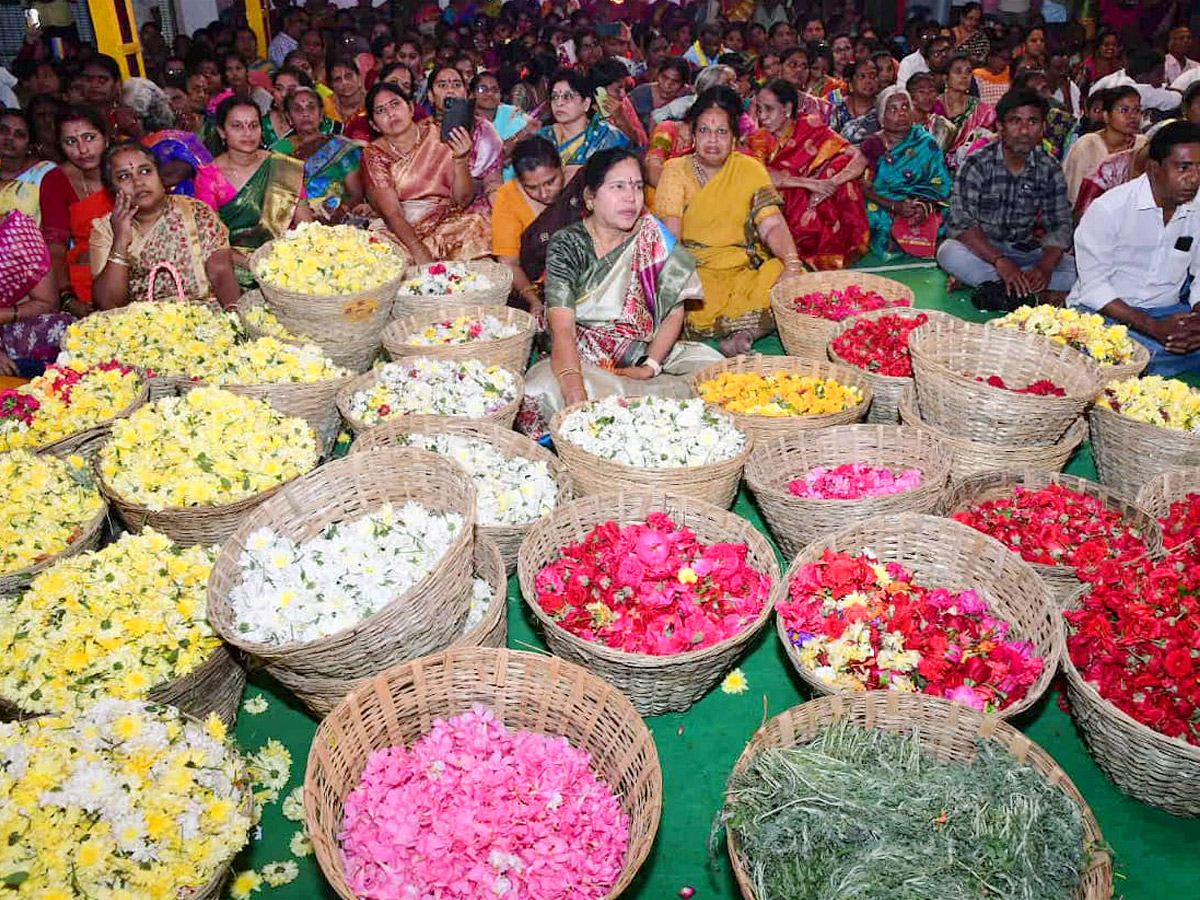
point(334, 284)
point(69, 408)
point(193, 466)
point(769, 396)
point(51, 509)
point(126, 622)
point(1116, 353)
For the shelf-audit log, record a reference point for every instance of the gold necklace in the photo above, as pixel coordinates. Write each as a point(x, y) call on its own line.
point(702, 175)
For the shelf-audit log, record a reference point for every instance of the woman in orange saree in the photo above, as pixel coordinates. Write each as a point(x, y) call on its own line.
point(422, 187)
point(817, 171)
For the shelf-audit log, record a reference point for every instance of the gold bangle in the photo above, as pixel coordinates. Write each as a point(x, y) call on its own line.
point(118, 259)
point(563, 373)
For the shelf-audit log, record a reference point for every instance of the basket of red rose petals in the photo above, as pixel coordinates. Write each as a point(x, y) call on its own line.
point(528, 738)
point(920, 604)
point(812, 483)
point(973, 457)
point(657, 593)
point(1061, 525)
point(997, 385)
point(1131, 666)
point(808, 308)
point(877, 343)
point(1161, 493)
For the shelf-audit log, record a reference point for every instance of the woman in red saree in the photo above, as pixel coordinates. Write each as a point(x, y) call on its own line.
point(817, 171)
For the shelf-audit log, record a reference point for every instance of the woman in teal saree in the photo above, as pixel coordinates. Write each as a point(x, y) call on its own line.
point(269, 186)
point(332, 179)
point(616, 285)
point(577, 131)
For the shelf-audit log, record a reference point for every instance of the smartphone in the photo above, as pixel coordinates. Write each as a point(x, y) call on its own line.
point(608, 29)
point(33, 18)
point(457, 113)
point(602, 102)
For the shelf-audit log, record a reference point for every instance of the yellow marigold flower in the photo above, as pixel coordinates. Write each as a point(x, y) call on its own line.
point(735, 683)
point(330, 259)
point(46, 502)
point(779, 394)
point(1086, 332)
point(1165, 402)
point(68, 400)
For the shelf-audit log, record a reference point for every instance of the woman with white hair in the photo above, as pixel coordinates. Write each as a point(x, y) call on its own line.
point(907, 183)
point(144, 109)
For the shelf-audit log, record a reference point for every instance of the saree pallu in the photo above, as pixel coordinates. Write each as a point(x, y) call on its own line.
point(619, 302)
point(24, 192)
point(207, 184)
point(325, 172)
point(423, 181)
point(858, 130)
point(833, 233)
point(1114, 171)
point(976, 127)
point(914, 169)
point(83, 215)
point(263, 209)
point(24, 261)
point(598, 135)
point(943, 131)
point(566, 210)
point(720, 220)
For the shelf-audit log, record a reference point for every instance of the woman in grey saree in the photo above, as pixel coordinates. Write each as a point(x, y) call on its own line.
point(616, 285)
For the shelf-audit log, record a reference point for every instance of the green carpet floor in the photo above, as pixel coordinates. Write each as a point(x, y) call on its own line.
point(1155, 852)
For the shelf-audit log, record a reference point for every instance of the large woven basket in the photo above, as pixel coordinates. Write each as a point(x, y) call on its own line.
point(347, 327)
point(215, 686)
point(763, 427)
point(948, 356)
point(1130, 453)
point(88, 441)
point(886, 389)
point(508, 538)
point(253, 300)
point(492, 629)
point(526, 691)
point(511, 353)
point(654, 684)
point(973, 457)
point(949, 732)
point(796, 521)
point(1115, 371)
point(1143, 763)
point(504, 416)
point(944, 553)
point(716, 483)
point(1164, 490)
point(1063, 581)
point(185, 525)
point(495, 294)
point(808, 336)
point(86, 538)
point(426, 618)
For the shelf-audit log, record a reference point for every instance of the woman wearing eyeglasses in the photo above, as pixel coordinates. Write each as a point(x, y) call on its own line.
point(511, 122)
point(577, 132)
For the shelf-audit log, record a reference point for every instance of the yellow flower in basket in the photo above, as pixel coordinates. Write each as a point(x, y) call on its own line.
point(207, 448)
point(1086, 332)
point(63, 401)
point(46, 503)
point(779, 394)
point(1166, 402)
point(329, 260)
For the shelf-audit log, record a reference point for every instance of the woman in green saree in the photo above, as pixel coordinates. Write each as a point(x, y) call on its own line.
point(616, 284)
point(268, 188)
point(332, 178)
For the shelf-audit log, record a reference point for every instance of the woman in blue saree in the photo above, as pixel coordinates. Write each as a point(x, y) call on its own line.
point(332, 176)
point(907, 183)
point(577, 131)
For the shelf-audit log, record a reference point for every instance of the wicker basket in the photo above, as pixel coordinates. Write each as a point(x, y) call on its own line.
point(423, 620)
point(347, 327)
point(944, 553)
point(796, 521)
point(500, 276)
point(215, 686)
point(1130, 453)
point(252, 299)
point(654, 684)
point(1161, 492)
point(185, 525)
point(973, 457)
point(1145, 764)
point(504, 416)
point(527, 691)
point(809, 336)
point(1062, 581)
point(1131, 369)
point(716, 483)
point(511, 353)
point(492, 629)
point(86, 538)
point(948, 731)
point(886, 389)
point(948, 356)
point(761, 428)
point(507, 442)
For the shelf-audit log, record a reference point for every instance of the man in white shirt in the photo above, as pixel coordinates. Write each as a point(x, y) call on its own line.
point(1136, 246)
point(1177, 62)
point(916, 62)
point(1143, 70)
point(294, 23)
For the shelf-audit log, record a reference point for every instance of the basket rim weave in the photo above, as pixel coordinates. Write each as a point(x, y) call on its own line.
point(1050, 649)
point(397, 330)
point(791, 728)
point(606, 507)
point(1160, 493)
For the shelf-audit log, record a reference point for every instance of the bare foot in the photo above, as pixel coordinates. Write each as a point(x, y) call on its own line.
point(737, 343)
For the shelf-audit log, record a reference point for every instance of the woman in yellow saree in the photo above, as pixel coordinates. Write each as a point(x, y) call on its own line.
point(724, 207)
